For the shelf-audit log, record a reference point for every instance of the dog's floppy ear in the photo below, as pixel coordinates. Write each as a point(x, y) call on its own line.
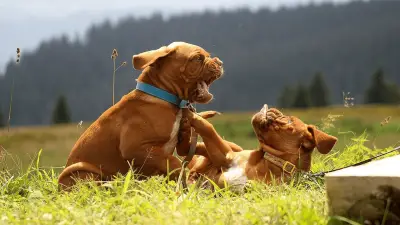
point(145, 59)
point(323, 141)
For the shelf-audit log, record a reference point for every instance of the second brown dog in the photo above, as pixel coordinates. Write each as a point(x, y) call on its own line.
point(285, 146)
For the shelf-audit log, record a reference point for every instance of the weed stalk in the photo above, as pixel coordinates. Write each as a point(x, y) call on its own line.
point(12, 91)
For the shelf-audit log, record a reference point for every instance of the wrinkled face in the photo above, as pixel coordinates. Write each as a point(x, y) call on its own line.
point(188, 68)
point(289, 134)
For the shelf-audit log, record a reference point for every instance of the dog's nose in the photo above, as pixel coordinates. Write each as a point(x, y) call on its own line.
point(219, 62)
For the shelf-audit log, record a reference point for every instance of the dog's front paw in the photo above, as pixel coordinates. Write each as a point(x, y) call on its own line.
point(208, 114)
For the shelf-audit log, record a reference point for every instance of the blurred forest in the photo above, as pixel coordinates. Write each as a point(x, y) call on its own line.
point(323, 48)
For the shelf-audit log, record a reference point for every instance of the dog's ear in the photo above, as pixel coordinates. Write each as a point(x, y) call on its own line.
point(323, 141)
point(145, 59)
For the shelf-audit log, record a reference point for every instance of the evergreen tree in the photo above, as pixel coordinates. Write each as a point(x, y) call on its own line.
point(380, 91)
point(301, 99)
point(319, 94)
point(61, 112)
point(2, 123)
point(286, 98)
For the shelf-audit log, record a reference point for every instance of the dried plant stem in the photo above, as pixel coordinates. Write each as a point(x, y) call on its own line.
point(114, 56)
point(122, 64)
point(12, 91)
point(113, 85)
point(375, 136)
point(10, 106)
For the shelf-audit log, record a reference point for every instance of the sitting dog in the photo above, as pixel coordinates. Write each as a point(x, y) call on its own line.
point(285, 146)
point(142, 130)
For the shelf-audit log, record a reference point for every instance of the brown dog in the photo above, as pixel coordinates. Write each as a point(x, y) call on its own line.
point(141, 129)
point(285, 146)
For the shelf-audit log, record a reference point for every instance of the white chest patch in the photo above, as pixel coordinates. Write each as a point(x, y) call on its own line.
point(235, 177)
point(169, 147)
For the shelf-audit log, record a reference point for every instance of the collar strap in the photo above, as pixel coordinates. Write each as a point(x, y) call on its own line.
point(286, 166)
point(161, 94)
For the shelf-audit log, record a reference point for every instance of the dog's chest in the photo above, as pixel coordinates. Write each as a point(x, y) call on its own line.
point(236, 176)
point(169, 147)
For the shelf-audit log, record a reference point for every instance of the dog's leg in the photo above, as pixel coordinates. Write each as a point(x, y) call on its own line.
point(217, 149)
point(201, 148)
point(185, 131)
point(234, 147)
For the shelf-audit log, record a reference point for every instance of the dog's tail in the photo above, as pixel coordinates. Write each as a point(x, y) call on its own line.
point(83, 167)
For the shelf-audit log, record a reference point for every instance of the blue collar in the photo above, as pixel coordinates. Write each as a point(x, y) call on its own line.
point(161, 94)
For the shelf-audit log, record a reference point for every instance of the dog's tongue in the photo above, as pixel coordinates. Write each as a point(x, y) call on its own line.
point(205, 86)
point(202, 86)
point(203, 91)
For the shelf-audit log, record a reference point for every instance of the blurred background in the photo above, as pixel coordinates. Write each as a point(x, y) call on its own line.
point(334, 63)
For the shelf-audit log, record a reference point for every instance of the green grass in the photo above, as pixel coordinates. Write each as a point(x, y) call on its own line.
point(29, 194)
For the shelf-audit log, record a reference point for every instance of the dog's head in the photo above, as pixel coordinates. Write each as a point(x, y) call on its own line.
point(185, 69)
point(289, 134)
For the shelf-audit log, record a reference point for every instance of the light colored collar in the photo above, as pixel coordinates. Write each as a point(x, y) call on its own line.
point(161, 94)
point(286, 166)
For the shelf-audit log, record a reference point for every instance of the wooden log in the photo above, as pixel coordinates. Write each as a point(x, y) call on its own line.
point(362, 191)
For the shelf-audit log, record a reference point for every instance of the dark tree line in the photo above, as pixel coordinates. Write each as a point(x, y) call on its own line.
point(314, 95)
point(380, 91)
point(263, 52)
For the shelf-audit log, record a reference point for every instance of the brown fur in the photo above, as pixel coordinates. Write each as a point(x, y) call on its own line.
point(286, 137)
point(139, 128)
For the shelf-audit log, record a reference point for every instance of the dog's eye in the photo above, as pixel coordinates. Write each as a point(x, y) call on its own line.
point(198, 58)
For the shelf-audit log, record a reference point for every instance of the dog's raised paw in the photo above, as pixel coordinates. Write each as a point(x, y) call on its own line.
point(208, 114)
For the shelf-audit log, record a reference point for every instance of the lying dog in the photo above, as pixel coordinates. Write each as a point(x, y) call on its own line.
point(285, 146)
point(142, 128)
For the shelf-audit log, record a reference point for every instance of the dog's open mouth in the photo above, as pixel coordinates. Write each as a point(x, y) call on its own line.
point(202, 92)
point(203, 87)
point(214, 71)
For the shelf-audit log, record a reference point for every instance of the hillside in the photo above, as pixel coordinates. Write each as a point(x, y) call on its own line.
point(262, 52)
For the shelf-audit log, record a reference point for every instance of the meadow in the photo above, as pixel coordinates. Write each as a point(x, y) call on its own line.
point(31, 158)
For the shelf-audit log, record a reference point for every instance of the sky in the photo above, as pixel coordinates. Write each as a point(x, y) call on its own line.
point(25, 23)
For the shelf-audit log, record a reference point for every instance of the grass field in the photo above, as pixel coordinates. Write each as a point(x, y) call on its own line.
point(29, 191)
